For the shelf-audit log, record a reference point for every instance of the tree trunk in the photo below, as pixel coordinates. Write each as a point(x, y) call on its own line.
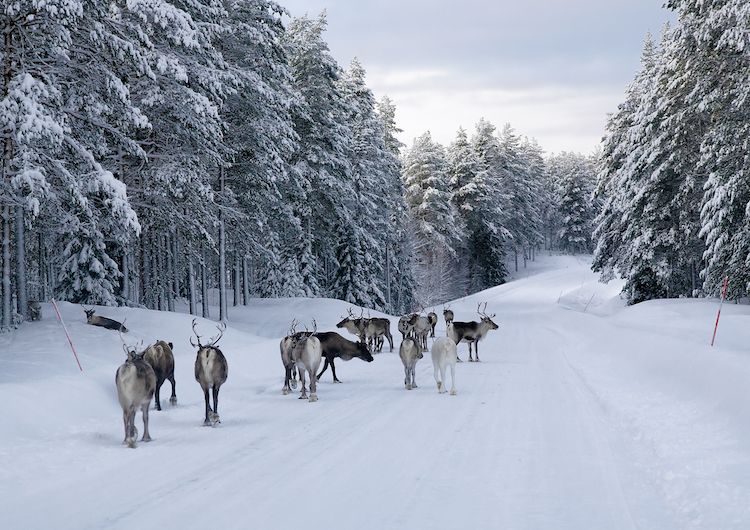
point(222, 257)
point(192, 287)
point(169, 272)
point(245, 286)
point(22, 296)
point(204, 284)
point(6, 268)
point(237, 280)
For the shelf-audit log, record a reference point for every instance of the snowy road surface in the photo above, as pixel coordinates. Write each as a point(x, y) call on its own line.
point(612, 418)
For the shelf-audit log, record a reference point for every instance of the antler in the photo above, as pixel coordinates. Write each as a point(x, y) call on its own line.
point(199, 345)
point(293, 328)
point(221, 327)
point(482, 312)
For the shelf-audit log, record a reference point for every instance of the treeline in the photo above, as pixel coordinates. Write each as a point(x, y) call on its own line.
point(674, 165)
point(488, 202)
point(153, 150)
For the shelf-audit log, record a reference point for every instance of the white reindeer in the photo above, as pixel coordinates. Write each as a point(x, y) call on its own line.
point(136, 382)
point(410, 353)
point(307, 354)
point(444, 355)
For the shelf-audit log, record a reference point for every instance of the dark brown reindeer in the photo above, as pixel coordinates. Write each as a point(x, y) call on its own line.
point(161, 359)
point(472, 332)
point(333, 345)
point(103, 322)
point(375, 329)
point(211, 372)
point(136, 382)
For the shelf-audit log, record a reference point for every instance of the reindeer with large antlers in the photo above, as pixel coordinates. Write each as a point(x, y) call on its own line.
point(472, 332)
point(210, 371)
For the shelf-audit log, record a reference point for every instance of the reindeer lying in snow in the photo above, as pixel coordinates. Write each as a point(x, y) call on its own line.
point(211, 371)
point(136, 382)
point(444, 356)
point(472, 332)
point(410, 353)
point(103, 322)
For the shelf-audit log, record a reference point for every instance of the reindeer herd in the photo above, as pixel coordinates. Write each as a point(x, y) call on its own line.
point(140, 377)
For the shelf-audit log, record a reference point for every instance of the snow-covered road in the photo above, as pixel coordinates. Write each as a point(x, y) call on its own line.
point(610, 418)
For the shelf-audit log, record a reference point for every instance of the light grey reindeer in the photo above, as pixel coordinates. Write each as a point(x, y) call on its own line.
point(136, 382)
point(211, 371)
point(410, 353)
point(307, 354)
point(290, 367)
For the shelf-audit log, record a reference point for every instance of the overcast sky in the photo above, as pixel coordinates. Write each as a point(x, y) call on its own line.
point(552, 69)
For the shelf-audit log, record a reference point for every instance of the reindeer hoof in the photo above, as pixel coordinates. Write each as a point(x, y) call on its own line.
point(294, 384)
point(207, 423)
point(144, 439)
point(130, 442)
point(453, 392)
point(173, 400)
point(214, 417)
point(303, 396)
point(284, 391)
point(313, 397)
point(458, 360)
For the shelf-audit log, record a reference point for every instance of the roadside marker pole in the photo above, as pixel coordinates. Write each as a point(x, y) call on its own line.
point(587, 305)
point(723, 292)
point(66, 333)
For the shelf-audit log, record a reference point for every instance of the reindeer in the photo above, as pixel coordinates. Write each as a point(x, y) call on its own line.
point(420, 327)
point(447, 315)
point(375, 328)
point(136, 382)
point(472, 332)
point(403, 325)
point(333, 345)
point(210, 371)
point(307, 353)
point(290, 367)
point(443, 356)
point(432, 319)
point(161, 359)
point(354, 325)
point(34, 310)
point(103, 322)
point(410, 353)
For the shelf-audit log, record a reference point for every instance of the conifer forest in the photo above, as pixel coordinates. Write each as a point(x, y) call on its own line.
point(156, 151)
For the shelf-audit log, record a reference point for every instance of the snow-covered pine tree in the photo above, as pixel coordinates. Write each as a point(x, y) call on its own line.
point(321, 162)
point(648, 230)
point(575, 179)
point(428, 198)
point(65, 107)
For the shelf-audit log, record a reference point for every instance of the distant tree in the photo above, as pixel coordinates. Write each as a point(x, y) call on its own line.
point(575, 178)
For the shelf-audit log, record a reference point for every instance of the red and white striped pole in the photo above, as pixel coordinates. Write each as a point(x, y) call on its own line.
point(723, 292)
point(66, 333)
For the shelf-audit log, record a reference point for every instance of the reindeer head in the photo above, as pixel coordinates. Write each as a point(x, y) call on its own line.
point(487, 319)
point(89, 312)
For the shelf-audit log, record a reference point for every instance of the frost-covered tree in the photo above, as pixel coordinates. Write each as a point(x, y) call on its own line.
point(322, 161)
point(428, 198)
point(574, 176)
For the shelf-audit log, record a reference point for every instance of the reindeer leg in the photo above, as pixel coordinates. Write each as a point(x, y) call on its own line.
point(157, 403)
point(333, 369)
point(453, 379)
point(144, 414)
point(173, 397)
point(129, 441)
point(414, 375)
point(206, 422)
point(325, 367)
point(314, 385)
point(476, 350)
point(215, 414)
point(303, 394)
point(406, 378)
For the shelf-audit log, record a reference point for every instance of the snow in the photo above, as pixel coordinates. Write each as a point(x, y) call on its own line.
point(613, 417)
